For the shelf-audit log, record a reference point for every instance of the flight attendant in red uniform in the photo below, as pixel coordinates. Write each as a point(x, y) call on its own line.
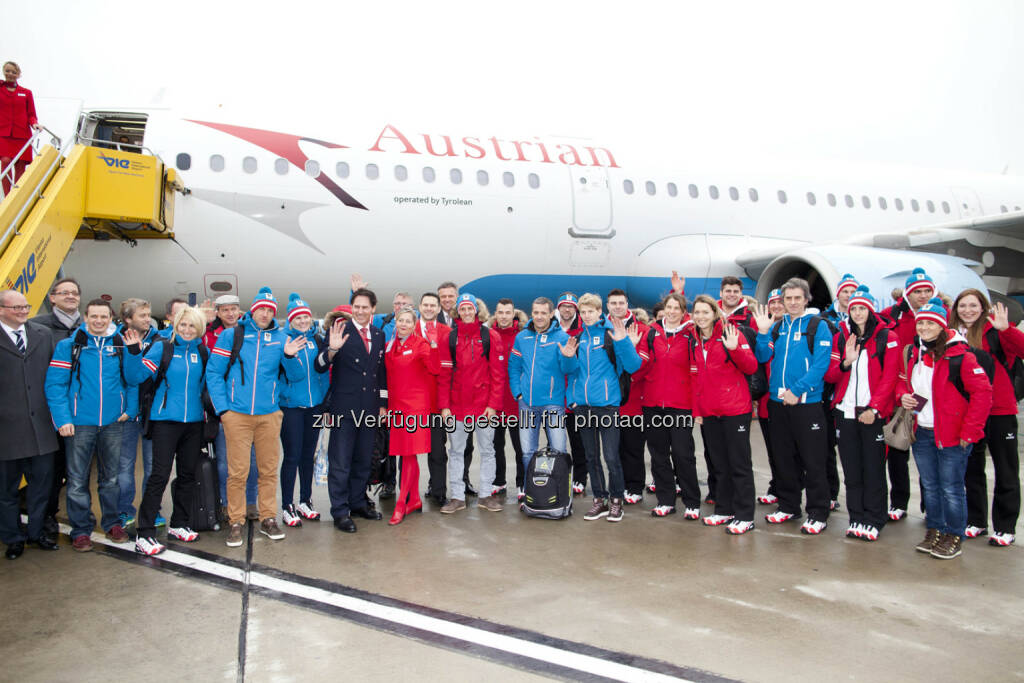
point(17, 121)
point(413, 364)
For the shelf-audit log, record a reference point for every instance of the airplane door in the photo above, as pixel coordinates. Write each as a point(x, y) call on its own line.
point(967, 202)
point(591, 203)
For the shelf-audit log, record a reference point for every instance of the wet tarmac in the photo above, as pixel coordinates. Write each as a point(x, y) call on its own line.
point(485, 596)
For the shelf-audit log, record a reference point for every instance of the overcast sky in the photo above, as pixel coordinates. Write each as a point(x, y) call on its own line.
point(923, 83)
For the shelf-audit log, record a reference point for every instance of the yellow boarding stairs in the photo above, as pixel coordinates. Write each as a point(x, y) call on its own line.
point(97, 191)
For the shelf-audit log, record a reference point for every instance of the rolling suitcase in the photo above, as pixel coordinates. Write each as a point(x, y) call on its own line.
point(202, 506)
point(547, 486)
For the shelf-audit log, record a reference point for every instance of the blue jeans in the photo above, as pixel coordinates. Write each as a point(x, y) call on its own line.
point(942, 482)
point(107, 442)
point(220, 447)
point(126, 466)
point(601, 421)
point(532, 419)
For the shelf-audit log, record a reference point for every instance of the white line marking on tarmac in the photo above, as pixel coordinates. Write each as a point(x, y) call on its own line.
point(469, 634)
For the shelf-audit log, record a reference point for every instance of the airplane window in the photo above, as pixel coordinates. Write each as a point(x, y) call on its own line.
point(508, 179)
point(831, 199)
point(372, 172)
point(866, 201)
point(280, 166)
point(1016, 208)
point(481, 178)
point(914, 205)
point(753, 194)
point(456, 176)
point(627, 186)
point(713, 191)
point(312, 168)
point(216, 163)
point(649, 187)
point(945, 207)
point(693, 191)
point(811, 199)
point(401, 173)
point(1002, 209)
point(782, 197)
point(429, 175)
point(848, 200)
point(341, 169)
point(534, 180)
point(183, 161)
point(734, 194)
point(672, 189)
point(249, 164)
point(931, 206)
point(899, 204)
point(882, 204)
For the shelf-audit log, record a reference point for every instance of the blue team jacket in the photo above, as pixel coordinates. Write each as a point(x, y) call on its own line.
point(537, 369)
point(311, 389)
point(254, 384)
point(793, 367)
point(94, 394)
point(596, 380)
point(179, 398)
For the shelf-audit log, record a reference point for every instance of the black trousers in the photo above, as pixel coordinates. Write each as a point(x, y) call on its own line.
point(59, 478)
point(709, 462)
point(170, 439)
point(349, 453)
point(467, 459)
point(1001, 442)
point(631, 453)
point(766, 433)
point(437, 464)
point(673, 459)
point(862, 449)
point(729, 438)
point(38, 471)
point(500, 475)
point(579, 454)
point(898, 463)
point(832, 467)
point(800, 441)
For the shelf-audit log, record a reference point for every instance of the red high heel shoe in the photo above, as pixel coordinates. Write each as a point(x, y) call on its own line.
point(398, 515)
point(414, 507)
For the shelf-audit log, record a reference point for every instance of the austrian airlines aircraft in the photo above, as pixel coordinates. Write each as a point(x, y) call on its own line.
point(407, 208)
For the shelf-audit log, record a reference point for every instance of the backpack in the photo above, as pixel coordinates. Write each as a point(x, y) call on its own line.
point(881, 335)
point(236, 349)
point(547, 485)
point(485, 340)
point(1015, 369)
point(81, 340)
point(956, 363)
point(147, 390)
point(625, 379)
point(809, 333)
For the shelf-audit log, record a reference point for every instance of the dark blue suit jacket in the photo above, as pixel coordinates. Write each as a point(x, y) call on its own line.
point(358, 379)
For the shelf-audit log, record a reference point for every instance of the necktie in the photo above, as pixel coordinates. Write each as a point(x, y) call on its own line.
point(21, 341)
point(366, 338)
point(432, 331)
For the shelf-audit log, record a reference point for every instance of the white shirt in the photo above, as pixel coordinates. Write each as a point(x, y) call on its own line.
point(921, 383)
point(362, 339)
point(10, 333)
point(858, 392)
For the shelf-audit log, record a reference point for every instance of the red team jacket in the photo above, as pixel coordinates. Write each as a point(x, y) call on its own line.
point(475, 383)
point(669, 381)
point(720, 386)
point(881, 375)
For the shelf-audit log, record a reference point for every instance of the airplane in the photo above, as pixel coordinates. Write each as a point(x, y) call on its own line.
point(300, 208)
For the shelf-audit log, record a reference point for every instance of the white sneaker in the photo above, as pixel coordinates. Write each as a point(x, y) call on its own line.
point(498, 490)
point(833, 505)
point(975, 531)
point(306, 510)
point(896, 514)
point(718, 520)
point(768, 499)
point(868, 532)
point(692, 513)
point(578, 489)
point(148, 546)
point(183, 534)
point(520, 495)
point(813, 527)
point(290, 516)
point(1001, 539)
point(853, 531)
point(736, 528)
point(778, 517)
point(650, 488)
point(632, 498)
point(663, 511)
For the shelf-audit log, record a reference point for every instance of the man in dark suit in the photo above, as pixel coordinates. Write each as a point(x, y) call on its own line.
point(62, 321)
point(25, 422)
point(358, 397)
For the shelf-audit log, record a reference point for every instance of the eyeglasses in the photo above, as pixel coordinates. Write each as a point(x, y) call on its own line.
point(18, 308)
point(66, 292)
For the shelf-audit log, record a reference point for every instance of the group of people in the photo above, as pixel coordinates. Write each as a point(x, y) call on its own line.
point(446, 378)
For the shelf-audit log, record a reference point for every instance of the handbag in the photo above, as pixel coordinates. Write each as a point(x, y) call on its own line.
point(899, 430)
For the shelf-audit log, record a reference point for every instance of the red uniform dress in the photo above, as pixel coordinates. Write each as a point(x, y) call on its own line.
point(412, 367)
point(17, 116)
